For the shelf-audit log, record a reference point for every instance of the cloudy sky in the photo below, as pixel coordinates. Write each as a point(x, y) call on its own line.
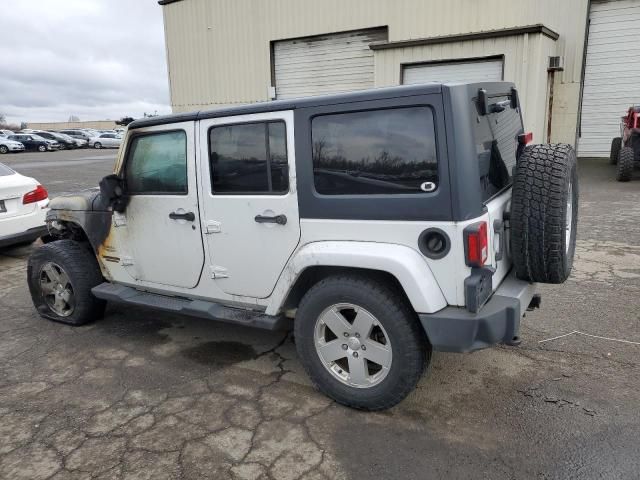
point(96, 59)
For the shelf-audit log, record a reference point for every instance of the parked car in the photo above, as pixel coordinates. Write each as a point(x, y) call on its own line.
point(78, 134)
point(7, 145)
point(62, 141)
point(6, 133)
point(106, 140)
point(79, 143)
point(23, 208)
point(31, 141)
point(386, 223)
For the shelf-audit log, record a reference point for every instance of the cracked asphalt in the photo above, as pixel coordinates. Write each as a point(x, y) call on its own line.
point(145, 395)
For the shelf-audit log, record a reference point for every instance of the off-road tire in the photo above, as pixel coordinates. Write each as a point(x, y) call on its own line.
point(625, 164)
point(3, 149)
point(616, 145)
point(410, 346)
point(80, 265)
point(545, 176)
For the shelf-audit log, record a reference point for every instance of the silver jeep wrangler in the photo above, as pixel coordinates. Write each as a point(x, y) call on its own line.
point(383, 224)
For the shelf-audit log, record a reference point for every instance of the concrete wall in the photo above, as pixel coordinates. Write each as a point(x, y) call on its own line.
point(97, 124)
point(218, 52)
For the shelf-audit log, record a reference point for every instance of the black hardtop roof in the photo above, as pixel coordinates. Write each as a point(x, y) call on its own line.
point(317, 101)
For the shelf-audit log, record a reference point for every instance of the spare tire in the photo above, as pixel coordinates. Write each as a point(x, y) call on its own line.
point(544, 213)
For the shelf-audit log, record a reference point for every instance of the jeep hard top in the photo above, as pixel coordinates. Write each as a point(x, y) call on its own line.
point(383, 224)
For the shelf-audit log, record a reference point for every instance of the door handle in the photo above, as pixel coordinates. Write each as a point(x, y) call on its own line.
point(279, 219)
point(188, 216)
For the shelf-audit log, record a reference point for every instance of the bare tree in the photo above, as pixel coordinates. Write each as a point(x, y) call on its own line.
point(73, 118)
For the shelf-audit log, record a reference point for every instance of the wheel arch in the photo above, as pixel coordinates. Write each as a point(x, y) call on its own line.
point(399, 266)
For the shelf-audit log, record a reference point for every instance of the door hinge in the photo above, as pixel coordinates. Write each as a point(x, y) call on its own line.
point(218, 272)
point(213, 227)
point(126, 261)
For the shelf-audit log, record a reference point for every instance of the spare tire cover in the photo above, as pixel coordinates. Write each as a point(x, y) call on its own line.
point(544, 213)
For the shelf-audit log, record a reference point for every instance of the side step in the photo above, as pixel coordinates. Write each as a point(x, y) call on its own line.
point(194, 308)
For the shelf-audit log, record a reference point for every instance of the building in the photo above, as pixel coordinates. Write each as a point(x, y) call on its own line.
point(225, 52)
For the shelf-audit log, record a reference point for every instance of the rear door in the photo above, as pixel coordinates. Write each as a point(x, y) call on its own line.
point(248, 200)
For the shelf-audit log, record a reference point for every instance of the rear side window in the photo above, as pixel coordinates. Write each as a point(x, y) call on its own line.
point(390, 151)
point(157, 164)
point(496, 139)
point(249, 158)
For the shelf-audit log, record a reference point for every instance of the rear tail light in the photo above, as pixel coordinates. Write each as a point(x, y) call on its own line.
point(525, 138)
point(476, 244)
point(40, 193)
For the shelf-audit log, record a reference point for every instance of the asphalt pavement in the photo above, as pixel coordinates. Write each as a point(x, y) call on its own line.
point(142, 394)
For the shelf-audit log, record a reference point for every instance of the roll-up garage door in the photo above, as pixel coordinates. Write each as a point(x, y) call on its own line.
point(464, 71)
point(325, 64)
point(612, 73)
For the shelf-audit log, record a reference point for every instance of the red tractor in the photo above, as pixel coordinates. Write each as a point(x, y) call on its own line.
point(625, 150)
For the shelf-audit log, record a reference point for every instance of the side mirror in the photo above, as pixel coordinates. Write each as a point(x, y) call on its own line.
point(112, 191)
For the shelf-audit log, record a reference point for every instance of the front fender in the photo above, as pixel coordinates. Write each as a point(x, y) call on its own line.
point(404, 263)
point(95, 225)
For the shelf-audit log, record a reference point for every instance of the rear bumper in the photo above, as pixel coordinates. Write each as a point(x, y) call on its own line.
point(455, 329)
point(26, 236)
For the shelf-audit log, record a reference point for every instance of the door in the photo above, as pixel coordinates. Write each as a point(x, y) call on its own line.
point(163, 236)
point(249, 202)
point(611, 75)
point(483, 70)
point(324, 64)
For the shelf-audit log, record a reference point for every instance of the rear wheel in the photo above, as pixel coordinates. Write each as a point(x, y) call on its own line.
point(360, 342)
point(61, 275)
point(544, 213)
point(616, 145)
point(625, 164)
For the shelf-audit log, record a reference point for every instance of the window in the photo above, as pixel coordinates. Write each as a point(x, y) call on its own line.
point(157, 164)
point(496, 137)
point(249, 158)
point(388, 151)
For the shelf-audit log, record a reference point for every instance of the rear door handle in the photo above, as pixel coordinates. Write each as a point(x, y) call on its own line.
point(188, 216)
point(279, 219)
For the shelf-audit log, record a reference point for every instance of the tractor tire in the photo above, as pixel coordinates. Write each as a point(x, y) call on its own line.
point(544, 213)
point(625, 164)
point(616, 145)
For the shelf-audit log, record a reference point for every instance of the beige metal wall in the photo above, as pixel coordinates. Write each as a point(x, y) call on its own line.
point(218, 51)
point(97, 124)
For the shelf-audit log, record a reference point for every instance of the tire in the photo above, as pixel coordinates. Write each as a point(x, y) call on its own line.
point(625, 164)
point(3, 149)
point(616, 145)
point(42, 148)
point(79, 264)
point(97, 145)
point(409, 350)
point(544, 213)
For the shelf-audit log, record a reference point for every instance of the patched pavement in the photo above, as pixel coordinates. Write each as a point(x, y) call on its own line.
point(144, 395)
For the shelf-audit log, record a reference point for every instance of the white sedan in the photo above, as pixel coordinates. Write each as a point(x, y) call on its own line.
point(7, 145)
point(23, 208)
point(106, 140)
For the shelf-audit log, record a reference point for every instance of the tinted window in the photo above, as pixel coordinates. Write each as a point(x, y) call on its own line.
point(4, 170)
point(157, 163)
point(249, 158)
point(375, 152)
point(496, 137)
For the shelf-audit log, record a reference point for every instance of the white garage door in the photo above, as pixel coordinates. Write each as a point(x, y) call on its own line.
point(473, 71)
point(612, 73)
point(325, 64)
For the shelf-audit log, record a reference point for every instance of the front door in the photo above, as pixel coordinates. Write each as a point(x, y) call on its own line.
point(250, 209)
point(163, 237)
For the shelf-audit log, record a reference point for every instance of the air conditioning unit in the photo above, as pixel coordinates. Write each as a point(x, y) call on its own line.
point(556, 64)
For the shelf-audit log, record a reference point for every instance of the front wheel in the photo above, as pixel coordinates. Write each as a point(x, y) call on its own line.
point(61, 275)
point(625, 165)
point(3, 149)
point(42, 148)
point(97, 145)
point(360, 342)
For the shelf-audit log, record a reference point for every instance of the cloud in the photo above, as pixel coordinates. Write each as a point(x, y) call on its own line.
point(95, 59)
